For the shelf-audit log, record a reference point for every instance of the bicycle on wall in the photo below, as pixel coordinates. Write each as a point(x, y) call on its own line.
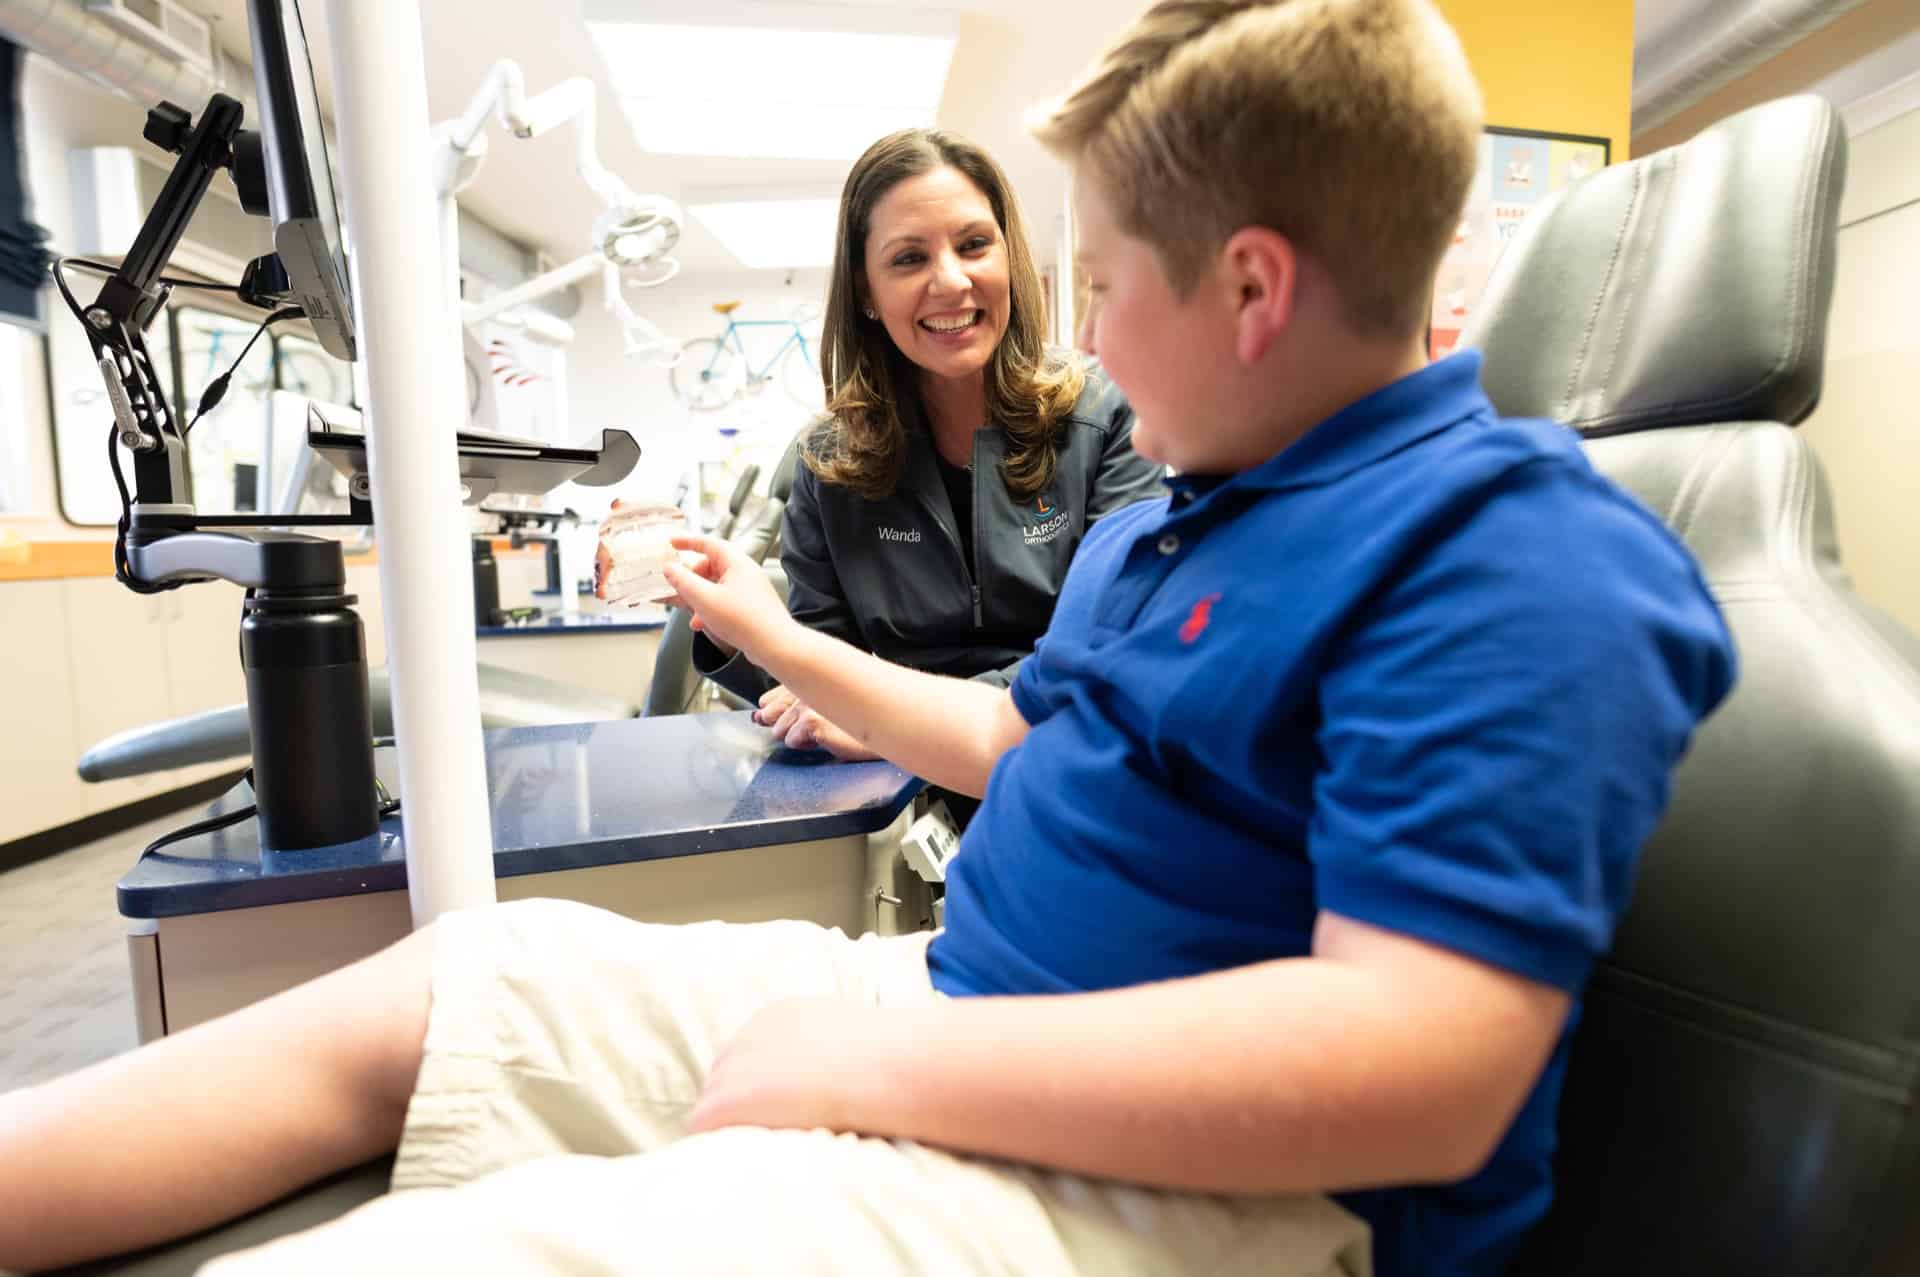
point(714, 371)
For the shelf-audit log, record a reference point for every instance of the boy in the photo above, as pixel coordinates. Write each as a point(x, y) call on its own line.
point(1313, 807)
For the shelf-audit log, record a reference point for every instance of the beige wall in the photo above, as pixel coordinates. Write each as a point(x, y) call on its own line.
point(1867, 428)
point(1006, 62)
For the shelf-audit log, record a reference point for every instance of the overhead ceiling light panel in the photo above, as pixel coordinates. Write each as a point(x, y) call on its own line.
point(766, 92)
point(773, 234)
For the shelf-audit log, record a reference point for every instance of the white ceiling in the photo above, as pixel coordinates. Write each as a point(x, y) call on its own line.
point(1011, 53)
point(1653, 19)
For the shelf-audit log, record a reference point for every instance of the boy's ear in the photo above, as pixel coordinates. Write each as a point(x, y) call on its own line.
point(1262, 270)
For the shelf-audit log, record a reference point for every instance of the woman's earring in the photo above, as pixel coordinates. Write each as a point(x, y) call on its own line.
point(872, 314)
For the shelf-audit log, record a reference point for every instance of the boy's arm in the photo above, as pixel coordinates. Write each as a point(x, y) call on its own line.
point(815, 596)
point(1380, 1059)
point(948, 731)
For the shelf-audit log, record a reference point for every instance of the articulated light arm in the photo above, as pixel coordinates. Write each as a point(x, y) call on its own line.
point(504, 92)
point(635, 233)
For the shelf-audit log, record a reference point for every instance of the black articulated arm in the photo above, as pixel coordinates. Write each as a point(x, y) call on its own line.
point(302, 647)
point(162, 540)
point(133, 295)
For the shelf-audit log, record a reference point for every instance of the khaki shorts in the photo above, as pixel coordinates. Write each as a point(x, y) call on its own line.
point(564, 1049)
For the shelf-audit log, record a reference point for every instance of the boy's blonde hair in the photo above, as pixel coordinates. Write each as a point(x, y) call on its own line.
point(1352, 127)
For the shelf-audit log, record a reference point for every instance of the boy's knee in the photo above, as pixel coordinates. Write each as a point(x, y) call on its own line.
point(509, 932)
point(542, 920)
point(394, 991)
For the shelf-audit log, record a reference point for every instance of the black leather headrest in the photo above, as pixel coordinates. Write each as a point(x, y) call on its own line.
point(780, 485)
point(743, 489)
point(1679, 289)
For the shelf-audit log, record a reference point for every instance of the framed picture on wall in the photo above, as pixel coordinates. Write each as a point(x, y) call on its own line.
point(1519, 168)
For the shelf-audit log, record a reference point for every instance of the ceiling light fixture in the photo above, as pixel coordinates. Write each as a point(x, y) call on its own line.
point(776, 80)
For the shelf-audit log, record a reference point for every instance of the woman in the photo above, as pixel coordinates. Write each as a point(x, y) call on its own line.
point(938, 504)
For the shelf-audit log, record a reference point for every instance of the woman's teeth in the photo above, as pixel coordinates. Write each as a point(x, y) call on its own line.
point(951, 325)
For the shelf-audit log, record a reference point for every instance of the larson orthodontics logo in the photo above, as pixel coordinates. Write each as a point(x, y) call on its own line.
point(1049, 522)
point(900, 534)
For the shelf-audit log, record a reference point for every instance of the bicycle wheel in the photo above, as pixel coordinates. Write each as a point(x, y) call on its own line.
point(312, 374)
point(709, 374)
point(800, 377)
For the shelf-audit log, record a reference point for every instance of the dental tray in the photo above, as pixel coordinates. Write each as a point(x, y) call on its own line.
point(489, 463)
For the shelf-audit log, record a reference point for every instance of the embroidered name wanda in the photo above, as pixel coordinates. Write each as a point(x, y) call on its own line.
point(899, 534)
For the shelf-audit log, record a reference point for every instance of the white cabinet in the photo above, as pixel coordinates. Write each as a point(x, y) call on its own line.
point(84, 658)
point(618, 662)
point(117, 643)
point(363, 582)
point(139, 659)
point(202, 632)
point(38, 787)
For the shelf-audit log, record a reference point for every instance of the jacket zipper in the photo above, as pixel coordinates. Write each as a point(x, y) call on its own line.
point(973, 479)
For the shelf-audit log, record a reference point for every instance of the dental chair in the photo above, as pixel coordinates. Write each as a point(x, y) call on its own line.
point(1742, 1093)
point(1742, 1096)
point(742, 493)
point(676, 682)
point(508, 698)
point(759, 533)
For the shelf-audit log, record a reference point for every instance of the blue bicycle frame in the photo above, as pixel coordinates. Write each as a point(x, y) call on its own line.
point(766, 369)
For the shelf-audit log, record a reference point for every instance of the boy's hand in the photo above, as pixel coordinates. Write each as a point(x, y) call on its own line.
point(729, 595)
point(798, 727)
point(787, 1068)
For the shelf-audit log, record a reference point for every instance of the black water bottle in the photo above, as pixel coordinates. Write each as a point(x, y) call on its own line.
point(305, 657)
point(486, 583)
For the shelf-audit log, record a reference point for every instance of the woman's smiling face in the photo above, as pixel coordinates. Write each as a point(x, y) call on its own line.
point(936, 272)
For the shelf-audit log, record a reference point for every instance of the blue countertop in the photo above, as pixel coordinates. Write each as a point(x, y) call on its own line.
point(611, 622)
point(575, 796)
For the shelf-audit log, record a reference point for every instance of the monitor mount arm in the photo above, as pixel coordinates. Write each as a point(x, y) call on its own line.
point(302, 647)
point(132, 296)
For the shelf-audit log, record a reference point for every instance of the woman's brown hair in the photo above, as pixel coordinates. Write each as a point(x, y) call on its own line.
point(862, 442)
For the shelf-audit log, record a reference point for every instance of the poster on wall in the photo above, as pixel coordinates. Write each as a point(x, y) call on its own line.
point(1519, 168)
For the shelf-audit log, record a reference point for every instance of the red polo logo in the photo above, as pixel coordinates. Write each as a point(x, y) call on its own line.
point(1197, 619)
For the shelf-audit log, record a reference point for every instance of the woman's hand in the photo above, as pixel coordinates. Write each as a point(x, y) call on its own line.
point(798, 727)
point(729, 594)
point(774, 702)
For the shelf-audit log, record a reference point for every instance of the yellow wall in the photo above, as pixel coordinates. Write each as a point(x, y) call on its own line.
point(1565, 66)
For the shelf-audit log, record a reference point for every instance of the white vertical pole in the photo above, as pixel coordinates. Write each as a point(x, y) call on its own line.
point(449, 209)
point(562, 433)
point(1065, 276)
point(417, 400)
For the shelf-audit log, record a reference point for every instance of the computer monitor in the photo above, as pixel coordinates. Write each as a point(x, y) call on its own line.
point(306, 221)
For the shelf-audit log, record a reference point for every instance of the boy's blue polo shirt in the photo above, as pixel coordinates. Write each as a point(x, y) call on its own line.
point(1425, 669)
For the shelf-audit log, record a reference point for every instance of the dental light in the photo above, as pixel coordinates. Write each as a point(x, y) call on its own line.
point(631, 241)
